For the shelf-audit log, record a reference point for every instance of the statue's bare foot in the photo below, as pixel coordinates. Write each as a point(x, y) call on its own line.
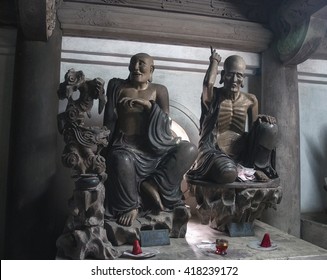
point(152, 190)
point(127, 218)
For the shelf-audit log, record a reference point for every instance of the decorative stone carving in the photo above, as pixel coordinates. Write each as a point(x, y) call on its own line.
point(238, 202)
point(84, 235)
point(51, 16)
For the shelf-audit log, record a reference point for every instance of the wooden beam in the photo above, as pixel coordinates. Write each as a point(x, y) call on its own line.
point(114, 22)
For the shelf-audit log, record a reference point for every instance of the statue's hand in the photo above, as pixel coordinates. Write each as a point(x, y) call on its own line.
point(146, 104)
point(214, 56)
point(134, 102)
point(99, 86)
point(267, 119)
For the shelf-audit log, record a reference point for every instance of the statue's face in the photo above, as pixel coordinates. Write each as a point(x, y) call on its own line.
point(234, 75)
point(141, 68)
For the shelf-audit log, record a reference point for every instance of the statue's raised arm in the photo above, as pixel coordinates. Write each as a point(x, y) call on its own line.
point(210, 78)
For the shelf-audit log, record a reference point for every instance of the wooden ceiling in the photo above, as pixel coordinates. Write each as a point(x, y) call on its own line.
point(246, 10)
point(296, 28)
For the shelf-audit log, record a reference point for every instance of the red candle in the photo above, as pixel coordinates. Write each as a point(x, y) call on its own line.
point(266, 243)
point(136, 248)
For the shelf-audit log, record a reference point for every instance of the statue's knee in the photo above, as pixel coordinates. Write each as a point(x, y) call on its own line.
point(187, 151)
point(224, 171)
point(121, 159)
point(229, 173)
point(192, 151)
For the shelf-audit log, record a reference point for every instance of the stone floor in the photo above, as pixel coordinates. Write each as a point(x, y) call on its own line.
point(314, 228)
point(196, 246)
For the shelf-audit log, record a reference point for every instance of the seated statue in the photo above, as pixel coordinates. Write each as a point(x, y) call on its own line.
point(232, 134)
point(145, 162)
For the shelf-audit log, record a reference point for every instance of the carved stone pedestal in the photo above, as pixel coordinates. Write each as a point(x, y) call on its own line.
point(238, 203)
point(175, 222)
point(84, 236)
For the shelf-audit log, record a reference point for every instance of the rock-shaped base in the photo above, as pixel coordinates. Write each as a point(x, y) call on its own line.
point(238, 202)
point(84, 236)
point(175, 221)
point(89, 243)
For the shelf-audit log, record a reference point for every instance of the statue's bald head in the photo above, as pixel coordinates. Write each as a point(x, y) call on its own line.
point(144, 56)
point(232, 76)
point(233, 63)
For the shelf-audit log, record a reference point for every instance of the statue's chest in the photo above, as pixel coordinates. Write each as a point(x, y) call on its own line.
point(147, 94)
point(232, 116)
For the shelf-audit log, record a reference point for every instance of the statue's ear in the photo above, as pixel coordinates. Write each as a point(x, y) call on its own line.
point(222, 74)
point(242, 84)
point(151, 72)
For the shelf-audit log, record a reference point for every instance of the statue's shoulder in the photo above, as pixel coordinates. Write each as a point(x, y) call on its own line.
point(158, 86)
point(160, 89)
point(116, 81)
point(250, 96)
point(115, 84)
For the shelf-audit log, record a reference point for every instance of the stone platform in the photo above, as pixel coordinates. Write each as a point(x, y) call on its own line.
point(288, 246)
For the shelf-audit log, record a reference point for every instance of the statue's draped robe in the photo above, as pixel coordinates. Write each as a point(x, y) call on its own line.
point(149, 156)
point(208, 149)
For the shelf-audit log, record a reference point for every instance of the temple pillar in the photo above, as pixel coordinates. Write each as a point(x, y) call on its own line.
point(280, 99)
point(31, 228)
point(300, 33)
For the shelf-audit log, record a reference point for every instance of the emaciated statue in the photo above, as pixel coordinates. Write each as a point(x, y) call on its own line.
point(233, 178)
point(227, 112)
point(145, 162)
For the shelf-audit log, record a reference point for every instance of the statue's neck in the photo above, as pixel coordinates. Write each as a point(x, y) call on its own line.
point(139, 85)
point(231, 95)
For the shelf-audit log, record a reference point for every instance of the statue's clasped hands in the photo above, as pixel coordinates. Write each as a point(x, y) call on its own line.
point(136, 102)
